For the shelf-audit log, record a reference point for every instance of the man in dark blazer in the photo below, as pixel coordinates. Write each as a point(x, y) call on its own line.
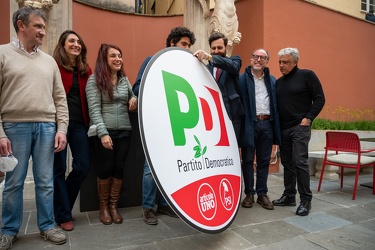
point(226, 72)
point(260, 127)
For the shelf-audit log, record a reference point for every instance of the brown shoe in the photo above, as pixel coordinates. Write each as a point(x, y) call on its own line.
point(248, 201)
point(67, 226)
point(149, 216)
point(265, 202)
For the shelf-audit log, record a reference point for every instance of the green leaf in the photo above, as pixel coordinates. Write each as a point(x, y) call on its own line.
point(204, 150)
point(196, 139)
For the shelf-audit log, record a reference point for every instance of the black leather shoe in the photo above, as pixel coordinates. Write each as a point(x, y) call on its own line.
point(285, 201)
point(303, 208)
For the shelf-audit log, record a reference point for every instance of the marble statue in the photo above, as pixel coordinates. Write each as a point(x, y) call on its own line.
point(46, 4)
point(205, 8)
point(224, 20)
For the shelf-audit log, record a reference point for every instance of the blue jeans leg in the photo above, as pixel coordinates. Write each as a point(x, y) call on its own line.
point(263, 139)
point(66, 190)
point(248, 169)
point(37, 140)
point(162, 202)
point(148, 187)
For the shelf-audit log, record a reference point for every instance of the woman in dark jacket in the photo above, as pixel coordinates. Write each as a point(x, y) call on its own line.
point(70, 55)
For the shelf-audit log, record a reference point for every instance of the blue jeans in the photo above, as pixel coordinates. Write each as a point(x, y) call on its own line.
point(294, 152)
point(149, 189)
point(66, 191)
point(263, 141)
point(35, 139)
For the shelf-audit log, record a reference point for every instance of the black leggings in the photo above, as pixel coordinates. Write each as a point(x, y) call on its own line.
point(111, 162)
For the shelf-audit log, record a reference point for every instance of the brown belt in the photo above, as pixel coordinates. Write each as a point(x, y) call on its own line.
point(263, 117)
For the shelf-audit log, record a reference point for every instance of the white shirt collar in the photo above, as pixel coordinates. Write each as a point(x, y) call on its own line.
point(19, 44)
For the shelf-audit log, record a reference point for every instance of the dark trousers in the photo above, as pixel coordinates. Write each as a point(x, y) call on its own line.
point(111, 162)
point(236, 121)
point(263, 139)
point(294, 152)
point(66, 190)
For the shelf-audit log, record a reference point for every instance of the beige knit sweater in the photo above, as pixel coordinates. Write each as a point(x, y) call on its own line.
point(31, 89)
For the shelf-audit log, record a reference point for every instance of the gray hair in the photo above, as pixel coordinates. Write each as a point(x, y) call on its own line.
point(23, 14)
point(290, 51)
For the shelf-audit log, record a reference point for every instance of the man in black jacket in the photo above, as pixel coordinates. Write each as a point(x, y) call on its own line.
point(300, 99)
point(226, 72)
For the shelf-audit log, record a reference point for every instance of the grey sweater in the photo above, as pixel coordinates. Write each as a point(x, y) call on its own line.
point(31, 89)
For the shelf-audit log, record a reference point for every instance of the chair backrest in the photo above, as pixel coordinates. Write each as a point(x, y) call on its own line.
point(343, 141)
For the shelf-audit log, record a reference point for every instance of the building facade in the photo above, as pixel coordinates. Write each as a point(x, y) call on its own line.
point(332, 36)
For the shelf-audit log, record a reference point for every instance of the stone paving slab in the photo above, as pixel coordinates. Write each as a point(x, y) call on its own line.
point(225, 240)
point(356, 214)
point(335, 222)
point(257, 215)
point(350, 237)
point(298, 242)
point(317, 222)
point(269, 232)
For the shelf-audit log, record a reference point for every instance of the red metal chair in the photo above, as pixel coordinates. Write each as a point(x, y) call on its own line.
point(348, 155)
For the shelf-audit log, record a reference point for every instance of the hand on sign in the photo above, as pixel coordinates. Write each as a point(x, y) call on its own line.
point(202, 55)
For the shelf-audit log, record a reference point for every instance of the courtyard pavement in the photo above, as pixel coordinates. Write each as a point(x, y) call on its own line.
point(335, 222)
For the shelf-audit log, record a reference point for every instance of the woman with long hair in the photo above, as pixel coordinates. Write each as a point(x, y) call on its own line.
point(110, 97)
point(70, 55)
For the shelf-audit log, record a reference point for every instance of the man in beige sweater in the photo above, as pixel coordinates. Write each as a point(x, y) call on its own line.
point(33, 122)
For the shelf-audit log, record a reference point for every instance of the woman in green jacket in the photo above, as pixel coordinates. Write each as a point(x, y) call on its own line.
point(110, 97)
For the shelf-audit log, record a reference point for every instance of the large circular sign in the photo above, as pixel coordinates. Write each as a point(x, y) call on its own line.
point(189, 140)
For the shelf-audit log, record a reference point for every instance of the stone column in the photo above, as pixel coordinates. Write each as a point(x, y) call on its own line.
point(196, 18)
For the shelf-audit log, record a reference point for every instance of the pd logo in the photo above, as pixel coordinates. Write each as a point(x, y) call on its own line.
point(175, 86)
point(189, 141)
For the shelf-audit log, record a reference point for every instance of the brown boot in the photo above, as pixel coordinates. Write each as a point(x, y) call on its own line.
point(113, 200)
point(104, 188)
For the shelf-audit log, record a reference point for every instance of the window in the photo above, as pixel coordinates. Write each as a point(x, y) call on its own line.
point(367, 5)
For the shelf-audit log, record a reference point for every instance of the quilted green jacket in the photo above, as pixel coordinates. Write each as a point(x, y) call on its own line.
point(109, 114)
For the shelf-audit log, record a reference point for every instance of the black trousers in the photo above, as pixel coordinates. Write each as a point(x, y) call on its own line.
point(111, 162)
point(294, 153)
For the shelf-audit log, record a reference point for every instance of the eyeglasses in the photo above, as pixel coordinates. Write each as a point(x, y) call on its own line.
point(262, 58)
